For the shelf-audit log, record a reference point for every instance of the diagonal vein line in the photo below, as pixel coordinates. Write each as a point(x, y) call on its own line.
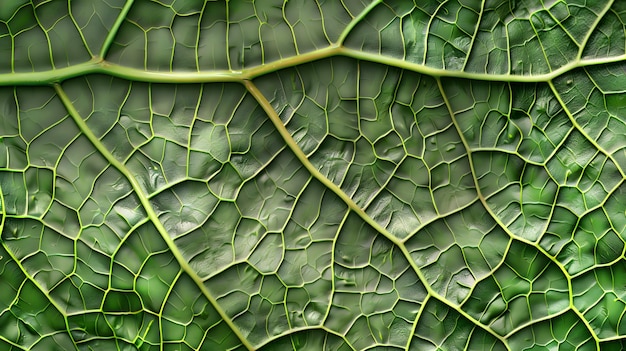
point(30, 277)
point(356, 20)
point(149, 211)
point(594, 26)
point(504, 227)
point(115, 29)
point(291, 143)
point(582, 130)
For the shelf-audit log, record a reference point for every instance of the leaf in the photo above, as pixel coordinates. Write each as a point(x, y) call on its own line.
point(312, 175)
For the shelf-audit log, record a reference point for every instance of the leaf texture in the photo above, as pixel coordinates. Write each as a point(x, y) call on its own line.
point(312, 175)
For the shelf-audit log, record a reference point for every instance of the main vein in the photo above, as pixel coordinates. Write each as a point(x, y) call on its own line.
point(99, 65)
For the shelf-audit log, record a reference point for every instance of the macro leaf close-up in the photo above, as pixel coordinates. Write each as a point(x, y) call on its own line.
point(311, 175)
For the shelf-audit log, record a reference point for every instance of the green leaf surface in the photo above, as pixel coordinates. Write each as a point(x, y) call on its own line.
point(312, 175)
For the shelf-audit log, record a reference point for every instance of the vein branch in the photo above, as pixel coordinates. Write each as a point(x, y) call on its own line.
point(151, 213)
point(30, 277)
point(505, 228)
point(291, 143)
point(108, 41)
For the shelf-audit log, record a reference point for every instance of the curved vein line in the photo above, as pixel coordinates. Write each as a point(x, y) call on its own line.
point(505, 228)
point(31, 278)
point(108, 41)
point(593, 27)
point(145, 202)
point(291, 143)
point(582, 131)
point(98, 65)
point(355, 21)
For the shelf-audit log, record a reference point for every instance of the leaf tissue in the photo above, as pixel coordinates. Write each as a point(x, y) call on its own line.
point(312, 175)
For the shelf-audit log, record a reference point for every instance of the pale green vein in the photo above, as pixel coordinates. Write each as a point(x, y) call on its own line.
point(31, 278)
point(143, 198)
point(301, 156)
point(592, 28)
point(582, 131)
point(417, 318)
point(46, 34)
point(332, 268)
point(98, 65)
point(356, 20)
point(291, 143)
point(161, 311)
point(476, 30)
point(226, 45)
point(428, 27)
point(504, 227)
point(115, 29)
point(78, 29)
point(542, 46)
